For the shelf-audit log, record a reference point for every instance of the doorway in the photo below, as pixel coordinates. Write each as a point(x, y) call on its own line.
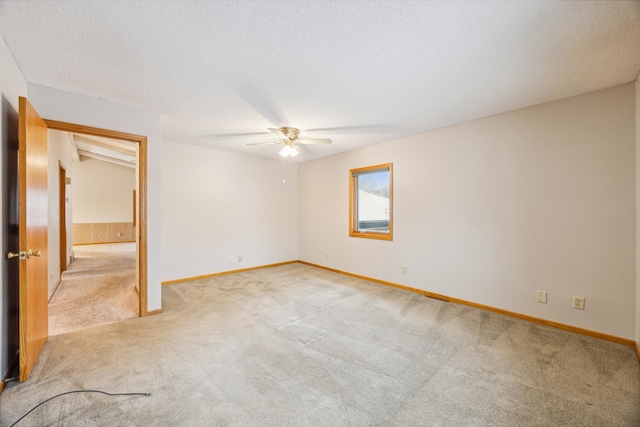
point(140, 201)
point(62, 209)
point(100, 285)
point(32, 251)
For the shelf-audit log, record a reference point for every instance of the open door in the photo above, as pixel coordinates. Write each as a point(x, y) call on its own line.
point(32, 229)
point(62, 209)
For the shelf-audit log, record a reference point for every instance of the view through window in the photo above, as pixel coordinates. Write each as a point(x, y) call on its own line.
point(370, 207)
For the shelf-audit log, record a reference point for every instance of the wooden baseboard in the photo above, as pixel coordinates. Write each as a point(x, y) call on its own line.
point(557, 325)
point(538, 320)
point(154, 312)
point(3, 383)
point(103, 243)
point(224, 273)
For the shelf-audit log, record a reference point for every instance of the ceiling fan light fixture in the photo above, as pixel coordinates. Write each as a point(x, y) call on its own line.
point(289, 138)
point(289, 151)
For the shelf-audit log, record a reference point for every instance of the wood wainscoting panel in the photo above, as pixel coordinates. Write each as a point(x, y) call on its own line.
point(103, 232)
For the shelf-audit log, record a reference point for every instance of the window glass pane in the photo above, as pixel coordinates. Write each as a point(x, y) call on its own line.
point(373, 202)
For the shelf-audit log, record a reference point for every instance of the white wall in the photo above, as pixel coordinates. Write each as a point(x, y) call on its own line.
point(217, 204)
point(102, 192)
point(58, 150)
point(492, 210)
point(73, 108)
point(12, 85)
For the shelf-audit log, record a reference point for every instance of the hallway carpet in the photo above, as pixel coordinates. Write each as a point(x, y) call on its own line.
point(98, 288)
point(299, 346)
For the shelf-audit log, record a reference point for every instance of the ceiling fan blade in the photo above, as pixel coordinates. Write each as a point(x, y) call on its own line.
point(234, 135)
point(278, 133)
point(354, 128)
point(315, 141)
point(265, 143)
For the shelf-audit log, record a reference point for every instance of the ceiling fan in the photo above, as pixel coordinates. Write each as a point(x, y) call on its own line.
point(290, 138)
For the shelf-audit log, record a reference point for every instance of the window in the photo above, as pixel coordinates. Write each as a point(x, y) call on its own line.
point(371, 202)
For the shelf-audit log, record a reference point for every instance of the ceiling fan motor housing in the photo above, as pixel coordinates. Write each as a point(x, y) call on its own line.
point(290, 133)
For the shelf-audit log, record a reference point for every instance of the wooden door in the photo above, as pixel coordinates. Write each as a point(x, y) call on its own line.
point(32, 229)
point(62, 209)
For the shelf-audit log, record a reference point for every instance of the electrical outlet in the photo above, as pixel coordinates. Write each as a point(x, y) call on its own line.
point(578, 302)
point(239, 258)
point(542, 297)
point(404, 269)
point(326, 256)
point(232, 260)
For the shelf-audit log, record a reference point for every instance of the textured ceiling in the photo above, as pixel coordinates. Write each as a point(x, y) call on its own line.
point(359, 72)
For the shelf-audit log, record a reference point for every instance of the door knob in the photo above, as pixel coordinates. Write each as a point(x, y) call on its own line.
point(31, 253)
point(22, 255)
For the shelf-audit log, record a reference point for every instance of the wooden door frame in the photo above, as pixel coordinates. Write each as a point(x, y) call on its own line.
point(62, 206)
point(141, 230)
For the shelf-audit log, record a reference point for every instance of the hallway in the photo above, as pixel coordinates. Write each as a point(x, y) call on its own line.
point(97, 289)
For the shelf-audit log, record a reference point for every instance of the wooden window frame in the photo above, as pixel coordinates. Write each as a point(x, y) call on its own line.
point(353, 199)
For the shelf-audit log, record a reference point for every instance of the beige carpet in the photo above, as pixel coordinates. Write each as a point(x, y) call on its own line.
point(299, 346)
point(97, 289)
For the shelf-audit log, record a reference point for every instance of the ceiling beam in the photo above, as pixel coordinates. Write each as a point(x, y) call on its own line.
point(75, 156)
point(90, 155)
point(118, 148)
